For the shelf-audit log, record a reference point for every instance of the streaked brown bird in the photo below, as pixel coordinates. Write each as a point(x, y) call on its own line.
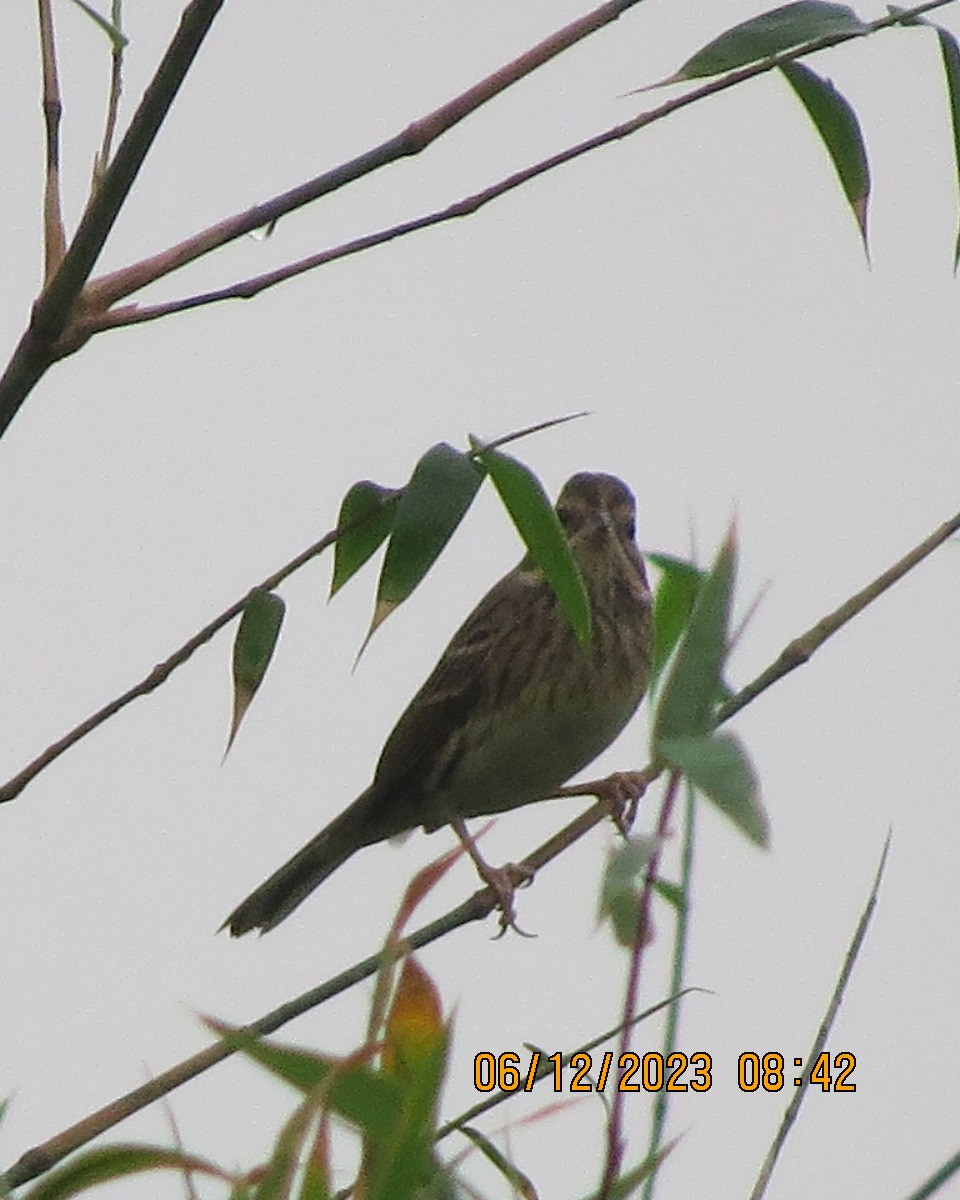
point(514, 708)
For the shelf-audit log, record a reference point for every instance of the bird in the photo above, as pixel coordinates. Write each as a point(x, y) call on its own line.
point(515, 706)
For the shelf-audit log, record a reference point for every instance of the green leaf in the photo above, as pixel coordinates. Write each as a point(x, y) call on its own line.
point(518, 1183)
point(113, 32)
point(671, 892)
point(770, 33)
point(115, 1162)
point(627, 1184)
point(719, 767)
point(950, 56)
point(694, 686)
point(281, 1169)
point(621, 893)
point(673, 602)
point(537, 523)
point(366, 518)
point(415, 1041)
point(432, 505)
point(315, 1184)
point(253, 649)
point(364, 1097)
point(837, 124)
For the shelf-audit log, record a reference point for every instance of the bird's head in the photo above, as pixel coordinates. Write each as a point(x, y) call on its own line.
point(595, 508)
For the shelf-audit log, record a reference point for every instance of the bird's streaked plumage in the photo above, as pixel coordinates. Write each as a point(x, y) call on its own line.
point(514, 708)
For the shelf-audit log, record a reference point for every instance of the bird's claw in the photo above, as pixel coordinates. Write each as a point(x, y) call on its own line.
point(503, 882)
point(620, 793)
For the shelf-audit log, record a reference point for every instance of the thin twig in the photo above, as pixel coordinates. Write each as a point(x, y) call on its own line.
point(416, 137)
point(797, 652)
point(793, 1108)
point(475, 908)
point(661, 1099)
point(802, 648)
point(162, 671)
point(41, 1158)
point(616, 1145)
point(113, 101)
point(43, 341)
point(478, 906)
point(107, 290)
point(934, 1183)
point(545, 1068)
point(54, 236)
point(68, 313)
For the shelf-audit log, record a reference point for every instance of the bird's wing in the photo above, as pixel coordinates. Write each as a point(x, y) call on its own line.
point(426, 741)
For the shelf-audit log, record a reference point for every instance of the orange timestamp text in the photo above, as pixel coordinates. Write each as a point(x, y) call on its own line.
point(656, 1072)
point(650, 1072)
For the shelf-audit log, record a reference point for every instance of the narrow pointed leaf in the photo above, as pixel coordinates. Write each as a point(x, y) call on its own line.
point(836, 122)
point(414, 1056)
point(253, 649)
point(950, 55)
point(628, 1183)
point(362, 1096)
point(520, 1184)
point(671, 892)
point(316, 1171)
point(366, 518)
point(280, 1171)
point(432, 505)
point(693, 686)
point(537, 523)
point(414, 1028)
point(107, 1163)
point(673, 602)
point(621, 892)
point(770, 33)
point(113, 32)
point(718, 766)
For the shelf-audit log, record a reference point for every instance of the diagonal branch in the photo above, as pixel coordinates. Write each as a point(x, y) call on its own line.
point(123, 283)
point(68, 313)
point(615, 1142)
point(802, 648)
point(475, 908)
point(794, 654)
point(162, 671)
point(417, 136)
point(42, 343)
point(69, 309)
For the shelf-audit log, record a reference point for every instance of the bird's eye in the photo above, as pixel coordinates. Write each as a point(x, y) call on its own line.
point(571, 517)
point(624, 519)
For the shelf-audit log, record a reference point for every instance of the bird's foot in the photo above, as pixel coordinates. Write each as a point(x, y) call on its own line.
point(620, 793)
point(502, 881)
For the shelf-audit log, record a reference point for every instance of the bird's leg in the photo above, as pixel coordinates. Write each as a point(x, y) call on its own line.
point(502, 881)
point(619, 793)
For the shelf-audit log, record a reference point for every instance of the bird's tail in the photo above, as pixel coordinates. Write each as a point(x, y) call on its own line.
point(288, 887)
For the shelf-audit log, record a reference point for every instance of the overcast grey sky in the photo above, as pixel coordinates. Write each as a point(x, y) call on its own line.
point(702, 290)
